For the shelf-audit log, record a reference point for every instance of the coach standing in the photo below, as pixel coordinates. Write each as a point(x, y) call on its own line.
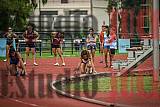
point(30, 37)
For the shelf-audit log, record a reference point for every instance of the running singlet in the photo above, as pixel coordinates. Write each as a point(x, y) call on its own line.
point(10, 37)
point(30, 36)
point(106, 39)
point(91, 39)
point(57, 39)
point(113, 42)
point(14, 60)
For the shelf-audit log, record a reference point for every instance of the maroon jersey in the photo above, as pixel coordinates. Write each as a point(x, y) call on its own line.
point(57, 39)
point(30, 36)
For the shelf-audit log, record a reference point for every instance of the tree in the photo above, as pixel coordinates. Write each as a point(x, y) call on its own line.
point(14, 13)
point(129, 5)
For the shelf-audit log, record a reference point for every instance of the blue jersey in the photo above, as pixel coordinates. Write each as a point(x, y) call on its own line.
point(14, 60)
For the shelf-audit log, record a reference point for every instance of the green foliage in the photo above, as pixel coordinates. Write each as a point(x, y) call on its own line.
point(111, 4)
point(105, 84)
point(20, 9)
point(130, 5)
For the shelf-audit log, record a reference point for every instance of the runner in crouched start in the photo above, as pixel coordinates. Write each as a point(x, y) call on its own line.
point(86, 65)
point(16, 63)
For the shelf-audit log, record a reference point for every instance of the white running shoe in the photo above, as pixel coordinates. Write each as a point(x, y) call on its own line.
point(35, 64)
point(95, 72)
point(63, 64)
point(24, 63)
point(56, 64)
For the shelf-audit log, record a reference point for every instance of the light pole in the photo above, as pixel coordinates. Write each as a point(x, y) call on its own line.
point(91, 5)
point(40, 15)
point(117, 9)
point(155, 30)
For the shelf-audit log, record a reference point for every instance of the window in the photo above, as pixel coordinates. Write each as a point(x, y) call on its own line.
point(78, 12)
point(64, 1)
point(49, 12)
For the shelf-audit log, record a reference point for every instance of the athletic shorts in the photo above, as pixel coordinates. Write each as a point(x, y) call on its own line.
point(9, 43)
point(106, 47)
point(55, 46)
point(113, 51)
point(30, 45)
point(89, 47)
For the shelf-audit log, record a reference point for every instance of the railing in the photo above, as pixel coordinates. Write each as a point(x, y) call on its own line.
point(44, 43)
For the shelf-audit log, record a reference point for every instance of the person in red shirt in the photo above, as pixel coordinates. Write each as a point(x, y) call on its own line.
point(56, 40)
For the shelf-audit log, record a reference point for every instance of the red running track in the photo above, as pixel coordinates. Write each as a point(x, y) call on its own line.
point(46, 72)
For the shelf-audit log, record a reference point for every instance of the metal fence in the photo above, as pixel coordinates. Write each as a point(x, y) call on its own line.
point(69, 45)
point(44, 44)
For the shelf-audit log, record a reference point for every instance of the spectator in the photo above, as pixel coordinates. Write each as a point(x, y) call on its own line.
point(77, 42)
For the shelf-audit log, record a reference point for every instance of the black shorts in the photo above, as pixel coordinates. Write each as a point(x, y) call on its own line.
point(89, 47)
point(55, 46)
point(30, 45)
point(9, 42)
point(113, 51)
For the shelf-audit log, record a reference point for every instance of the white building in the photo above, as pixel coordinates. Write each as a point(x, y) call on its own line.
point(71, 15)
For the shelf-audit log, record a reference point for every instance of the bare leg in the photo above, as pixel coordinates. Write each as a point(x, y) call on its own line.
point(26, 55)
point(102, 51)
point(21, 64)
point(54, 50)
point(82, 68)
point(110, 58)
point(7, 53)
point(13, 69)
point(34, 56)
point(106, 54)
point(61, 57)
point(93, 55)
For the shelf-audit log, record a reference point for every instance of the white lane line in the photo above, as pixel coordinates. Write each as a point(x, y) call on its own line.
point(26, 103)
point(22, 102)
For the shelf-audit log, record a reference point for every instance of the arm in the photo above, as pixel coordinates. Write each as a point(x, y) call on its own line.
point(87, 40)
point(5, 35)
point(36, 35)
point(16, 40)
point(21, 61)
point(95, 38)
point(101, 39)
point(113, 37)
point(25, 36)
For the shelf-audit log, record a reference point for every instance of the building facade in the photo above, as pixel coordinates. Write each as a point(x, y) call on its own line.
point(70, 15)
